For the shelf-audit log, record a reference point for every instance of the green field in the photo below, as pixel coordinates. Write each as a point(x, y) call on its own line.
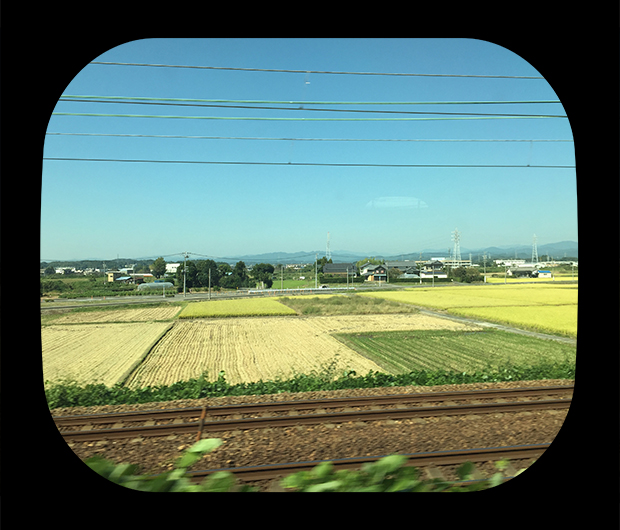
point(344, 305)
point(539, 307)
point(236, 308)
point(400, 352)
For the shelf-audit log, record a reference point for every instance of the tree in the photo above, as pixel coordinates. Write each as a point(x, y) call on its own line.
point(262, 272)
point(159, 267)
point(368, 260)
point(202, 275)
point(49, 270)
point(465, 274)
point(394, 273)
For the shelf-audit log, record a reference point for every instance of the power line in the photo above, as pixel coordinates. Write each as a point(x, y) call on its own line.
point(298, 119)
point(255, 101)
point(299, 139)
point(305, 109)
point(298, 163)
point(109, 63)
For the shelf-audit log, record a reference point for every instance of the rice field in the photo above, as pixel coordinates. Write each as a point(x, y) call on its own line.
point(254, 349)
point(147, 314)
point(89, 353)
point(461, 351)
point(247, 349)
point(559, 320)
point(236, 308)
point(543, 307)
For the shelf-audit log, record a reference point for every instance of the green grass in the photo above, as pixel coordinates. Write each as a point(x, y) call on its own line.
point(400, 352)
point(344, 305)
point(236, 308)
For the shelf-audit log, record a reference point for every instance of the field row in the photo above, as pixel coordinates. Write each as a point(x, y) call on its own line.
point(247, 349)
point(142, 314)
point(402, 351)
point(105, 353)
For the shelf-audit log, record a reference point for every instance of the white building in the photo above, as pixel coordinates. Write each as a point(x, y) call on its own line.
point(171, 268)
point(509, 262)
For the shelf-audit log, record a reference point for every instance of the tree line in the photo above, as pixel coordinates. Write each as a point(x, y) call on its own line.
point(205, 273)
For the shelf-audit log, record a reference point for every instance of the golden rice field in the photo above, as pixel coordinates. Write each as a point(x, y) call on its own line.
point(120, 315)
point(236, 308)
point(543, 307)
point(251, 349)
point(559, 319)
point(105, 353)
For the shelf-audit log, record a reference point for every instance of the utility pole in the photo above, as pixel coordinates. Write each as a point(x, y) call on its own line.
point(281, 276)
point(184, 271)
point(209, 283)
point(316, 268)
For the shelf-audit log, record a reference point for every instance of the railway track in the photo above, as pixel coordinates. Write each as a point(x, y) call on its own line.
point(431, 460)
point(148, 428)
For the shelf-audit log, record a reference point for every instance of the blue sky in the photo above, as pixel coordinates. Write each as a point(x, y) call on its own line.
point(104, 209)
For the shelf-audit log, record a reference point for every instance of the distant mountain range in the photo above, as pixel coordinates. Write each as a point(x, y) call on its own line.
point(556, 250)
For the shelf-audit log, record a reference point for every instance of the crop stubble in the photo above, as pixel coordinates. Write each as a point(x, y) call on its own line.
point(96, 352)
point(120, 315)
point(251, 349)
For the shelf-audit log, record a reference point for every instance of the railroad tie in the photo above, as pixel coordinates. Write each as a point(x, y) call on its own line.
point(433, 472)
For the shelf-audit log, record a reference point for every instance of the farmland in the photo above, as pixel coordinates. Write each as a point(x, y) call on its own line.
point(97, 352)
point(403, 351)
point(141, 314)
point(538, 307)
point(344, 305)
point(236, 308)
point(278, 339)
point(253, 349)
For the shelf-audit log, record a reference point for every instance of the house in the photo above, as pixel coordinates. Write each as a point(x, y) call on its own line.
point(340, 269)
point(366, 267)
point(112, 275)
point(375, 273)
point(545, 274)
point(400, 265)
point(433, 269)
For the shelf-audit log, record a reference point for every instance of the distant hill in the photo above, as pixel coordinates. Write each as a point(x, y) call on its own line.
point(556, 250)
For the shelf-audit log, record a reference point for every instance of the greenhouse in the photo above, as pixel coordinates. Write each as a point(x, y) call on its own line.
point(155, 286)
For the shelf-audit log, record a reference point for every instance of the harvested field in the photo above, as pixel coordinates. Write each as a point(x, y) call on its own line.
point(236, 308)
point(342, 304)
point(149, 314)
point(89, 353)
point(251, 349)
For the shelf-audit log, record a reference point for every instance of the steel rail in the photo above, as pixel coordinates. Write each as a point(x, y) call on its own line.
point(307, 404)
point(313, 419)
point(436, 458)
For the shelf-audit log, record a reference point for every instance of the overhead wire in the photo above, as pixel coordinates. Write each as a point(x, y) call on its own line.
point(301, 139)
point(255, 101)
point(254, 118)
point(306, 109)
point(302, 163)
point(281, 70)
